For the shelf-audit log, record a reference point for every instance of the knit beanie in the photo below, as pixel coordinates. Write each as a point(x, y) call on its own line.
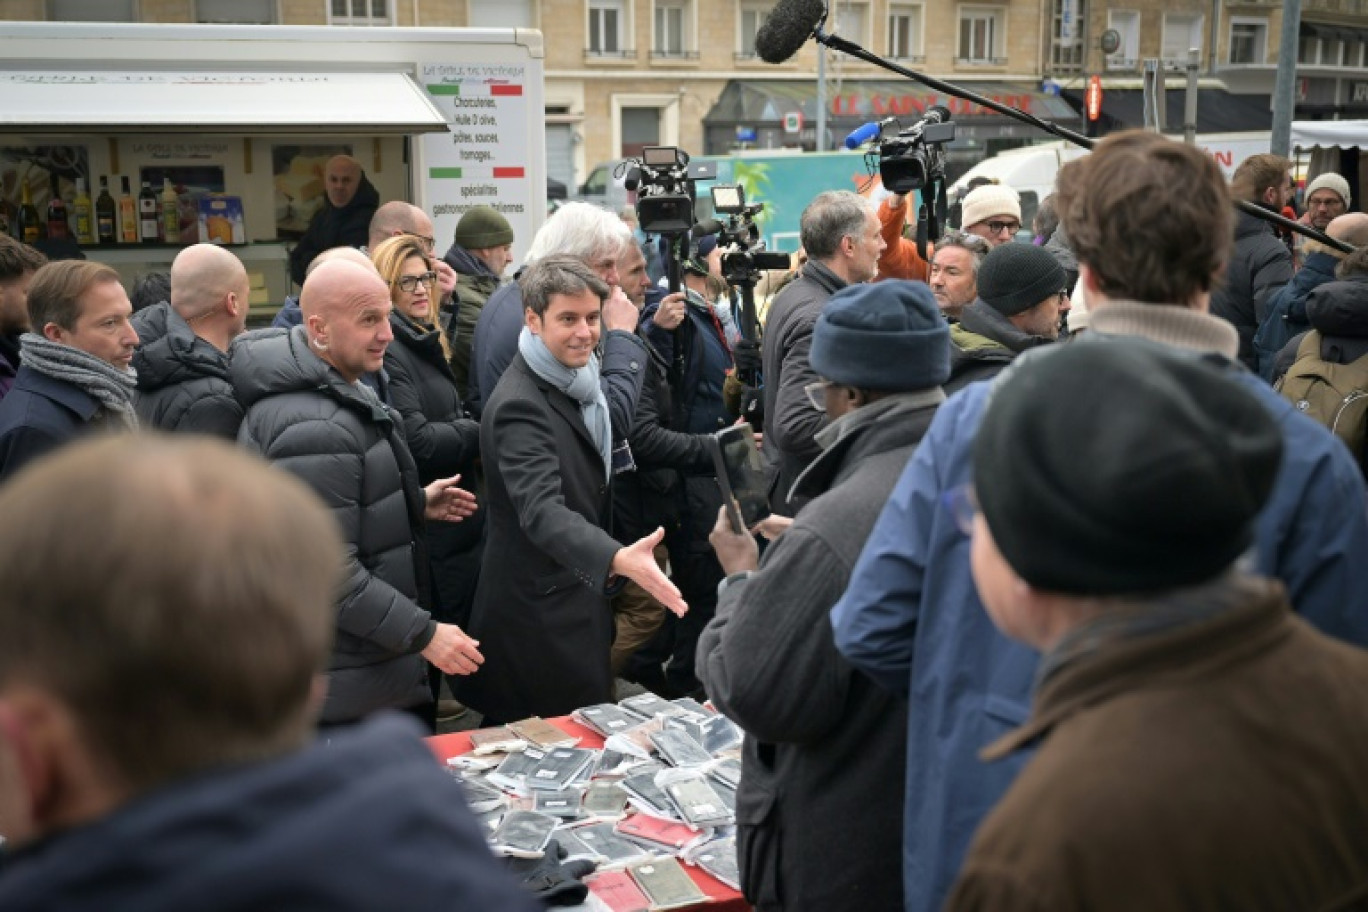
point(887, 336)
point(982, 203)
point(481, 228)
point(1017, 277)
point(1330, 181)
point(1117, 465)
point(698, 263)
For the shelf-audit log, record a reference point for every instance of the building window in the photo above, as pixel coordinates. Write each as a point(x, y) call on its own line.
point(92, 11)
point(359, 12)
point(982, 36)
point(752, 16)
point(851, 21)
point(1332, 53)
point(1248, 41)
point(1308, 50)
point(251, 12)
point(905, 31)
point(1127, 24)
point(502, 14)
point(673, 25)
point(1066, 41)
point(607, 22)
point(1182, 31)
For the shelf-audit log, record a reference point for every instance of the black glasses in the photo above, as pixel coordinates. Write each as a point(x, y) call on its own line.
point(997, 227)
point(409, 283)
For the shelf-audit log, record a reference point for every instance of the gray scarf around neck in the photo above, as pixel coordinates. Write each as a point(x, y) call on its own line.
point(580, 384)
point(109, 385)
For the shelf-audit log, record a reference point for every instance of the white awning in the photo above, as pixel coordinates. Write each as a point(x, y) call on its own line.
point(36, 101)
point(1347, 134)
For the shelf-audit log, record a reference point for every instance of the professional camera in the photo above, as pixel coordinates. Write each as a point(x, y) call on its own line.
point(744, 254)
point(915, 157)
point(664, 184)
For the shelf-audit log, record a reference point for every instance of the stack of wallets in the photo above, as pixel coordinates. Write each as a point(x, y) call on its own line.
point(662, 788)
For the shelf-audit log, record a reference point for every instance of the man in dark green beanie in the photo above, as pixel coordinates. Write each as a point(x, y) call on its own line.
point(481, 252)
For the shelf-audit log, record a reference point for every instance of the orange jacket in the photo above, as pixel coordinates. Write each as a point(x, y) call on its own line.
point(899, 259)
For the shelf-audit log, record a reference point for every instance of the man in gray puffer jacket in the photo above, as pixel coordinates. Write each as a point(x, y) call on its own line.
point(308, 412)
point(182, 358)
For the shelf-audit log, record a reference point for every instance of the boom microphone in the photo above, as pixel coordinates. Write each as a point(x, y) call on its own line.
point(788, 28)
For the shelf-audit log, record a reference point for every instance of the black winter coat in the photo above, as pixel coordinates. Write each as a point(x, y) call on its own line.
point(1339, 312)
point(333, 227)
point(1260, 265)
point(541, 612)
point(342, 442)
point(183, 383)
point(444, 443)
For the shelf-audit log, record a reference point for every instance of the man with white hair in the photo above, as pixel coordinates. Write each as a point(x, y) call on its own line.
point(596, 238)
point(182, 361)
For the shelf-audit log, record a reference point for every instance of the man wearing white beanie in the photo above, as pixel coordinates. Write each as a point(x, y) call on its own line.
point(993, 212)
point(1327, 198)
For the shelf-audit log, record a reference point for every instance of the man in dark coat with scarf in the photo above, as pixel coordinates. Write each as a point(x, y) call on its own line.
point(344, 220)
point(1196, 744)
point(819, 809)
point(541, 612)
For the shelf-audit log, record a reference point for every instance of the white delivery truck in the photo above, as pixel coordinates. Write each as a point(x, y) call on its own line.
point(1031, 170)
point(237, 121)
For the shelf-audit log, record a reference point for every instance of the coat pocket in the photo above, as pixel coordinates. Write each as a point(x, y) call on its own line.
point(555, 581)
point(758, 842)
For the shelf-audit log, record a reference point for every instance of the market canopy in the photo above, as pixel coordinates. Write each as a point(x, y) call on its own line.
point(52, 101)
point(1346, 134)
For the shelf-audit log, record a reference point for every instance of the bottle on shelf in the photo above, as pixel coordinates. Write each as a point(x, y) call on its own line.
point(128, 215)
point(30, 228)
point(149, 215)
point(58, 228)
point(106, 214)
point(85, 223)
point(170, 212)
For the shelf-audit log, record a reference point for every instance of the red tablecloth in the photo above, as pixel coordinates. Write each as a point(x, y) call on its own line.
point(722, 898)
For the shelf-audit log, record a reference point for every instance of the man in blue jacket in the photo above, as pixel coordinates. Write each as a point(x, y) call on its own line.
point(158, 707)
point(1148, 218)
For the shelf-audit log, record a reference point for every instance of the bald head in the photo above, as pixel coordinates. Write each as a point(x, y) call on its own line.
point(210, 291)
point(346, 315)
point(341, 177)
point(1351, 228)
point(398, 217)
point(332, 284)
point(350, 254)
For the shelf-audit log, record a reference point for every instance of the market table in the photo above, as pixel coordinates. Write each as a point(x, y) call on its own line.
point(722, 898)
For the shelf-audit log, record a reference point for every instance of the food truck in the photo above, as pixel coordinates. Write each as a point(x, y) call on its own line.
point(229, 127)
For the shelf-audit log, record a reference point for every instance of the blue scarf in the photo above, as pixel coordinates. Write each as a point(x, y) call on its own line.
point(580, 384)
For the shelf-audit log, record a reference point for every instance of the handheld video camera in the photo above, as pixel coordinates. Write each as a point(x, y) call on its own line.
point(664, 184)
point(915, 157)
point(744, 254)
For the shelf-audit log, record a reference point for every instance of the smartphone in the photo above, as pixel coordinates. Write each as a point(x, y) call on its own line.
point(741, 476)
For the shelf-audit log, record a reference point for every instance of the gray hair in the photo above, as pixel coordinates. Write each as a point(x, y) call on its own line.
point(976, 246)
point(580, 230)
point(558, 274)
point(831, 216)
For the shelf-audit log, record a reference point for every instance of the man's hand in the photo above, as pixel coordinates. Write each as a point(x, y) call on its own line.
point(671, 311)
point(446, 277)
point(453, 652)
point(619, 312)
point(897, 201)
point(446, 502)
point(637, 563)
point(773, 526)
point(736, 553)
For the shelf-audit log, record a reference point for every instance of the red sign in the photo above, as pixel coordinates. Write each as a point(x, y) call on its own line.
point(881, 106)
point(1093, 98)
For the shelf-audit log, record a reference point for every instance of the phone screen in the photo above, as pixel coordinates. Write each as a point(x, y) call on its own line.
point(741, 475)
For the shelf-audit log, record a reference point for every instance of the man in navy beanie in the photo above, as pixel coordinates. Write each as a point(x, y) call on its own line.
point(824, 744)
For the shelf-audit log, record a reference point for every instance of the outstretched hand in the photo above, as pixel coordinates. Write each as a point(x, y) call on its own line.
point(448, 503)
point(637, 563)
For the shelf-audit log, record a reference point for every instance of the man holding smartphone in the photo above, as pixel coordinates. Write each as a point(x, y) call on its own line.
point(830, 735)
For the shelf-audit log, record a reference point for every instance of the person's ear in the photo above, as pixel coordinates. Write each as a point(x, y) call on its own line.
point(26, 777)
point(52, 332)
point(534, 323)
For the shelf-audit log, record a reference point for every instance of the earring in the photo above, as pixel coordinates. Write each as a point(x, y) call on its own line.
point(318, 344)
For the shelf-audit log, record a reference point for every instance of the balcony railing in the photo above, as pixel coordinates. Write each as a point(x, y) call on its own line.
point(980, 61)
point(908, 58)
point(658, 54)
point(620, 54)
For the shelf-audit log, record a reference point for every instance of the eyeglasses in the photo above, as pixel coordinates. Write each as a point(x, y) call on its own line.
point(409, 283)
point(997, 227)
point(971, 242)
point(429, 243)
point(963, 506)
point(816, 394)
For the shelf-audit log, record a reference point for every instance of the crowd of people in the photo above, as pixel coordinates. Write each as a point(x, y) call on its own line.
point(1061, 603)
